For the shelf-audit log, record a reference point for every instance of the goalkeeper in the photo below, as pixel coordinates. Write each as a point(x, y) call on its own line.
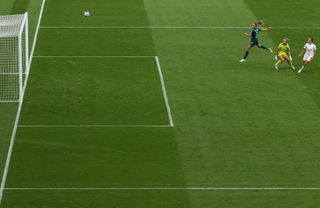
point(283, 54)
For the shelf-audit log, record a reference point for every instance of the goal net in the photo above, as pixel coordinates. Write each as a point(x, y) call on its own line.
point(14, 63)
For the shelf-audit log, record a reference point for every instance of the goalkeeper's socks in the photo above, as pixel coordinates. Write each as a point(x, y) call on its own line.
point(246, 55)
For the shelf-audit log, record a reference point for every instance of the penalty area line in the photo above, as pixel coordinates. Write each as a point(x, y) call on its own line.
point(93, 57)
point(175, 27)
point(94, 126)
point(164, 92)
point(142, 27)
point(165, 189)
point(163, 88)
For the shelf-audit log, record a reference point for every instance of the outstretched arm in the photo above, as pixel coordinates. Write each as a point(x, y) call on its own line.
point(314, 54)
point(302, 51)
point(265, 29)
point(247, 34)
point(289, 55)
point(260, 22)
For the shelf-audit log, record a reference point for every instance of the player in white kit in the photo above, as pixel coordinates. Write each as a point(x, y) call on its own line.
point(310, 51)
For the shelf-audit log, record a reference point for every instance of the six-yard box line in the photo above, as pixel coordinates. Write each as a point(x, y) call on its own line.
point(163, 88)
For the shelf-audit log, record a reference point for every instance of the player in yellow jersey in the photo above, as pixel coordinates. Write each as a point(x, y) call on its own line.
point(283, 54)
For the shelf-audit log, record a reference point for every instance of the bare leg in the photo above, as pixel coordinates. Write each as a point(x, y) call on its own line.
point(246, 53)
point(289, 62)
point(281, 59)
point(304, 64)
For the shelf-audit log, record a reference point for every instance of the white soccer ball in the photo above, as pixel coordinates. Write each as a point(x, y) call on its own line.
point(86, 13)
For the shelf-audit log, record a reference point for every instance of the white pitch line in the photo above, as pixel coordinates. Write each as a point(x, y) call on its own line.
point(141, 27)
point(9, 154)
point(94, 57)
point(9, 101)
point(36, 33)
point(173, 27)
point(94, 126)
point(10, 73)
point(164, 91)
point(166, 100)
point(166, 189)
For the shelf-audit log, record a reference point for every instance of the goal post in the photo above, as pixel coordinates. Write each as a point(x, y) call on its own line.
point(14, 53)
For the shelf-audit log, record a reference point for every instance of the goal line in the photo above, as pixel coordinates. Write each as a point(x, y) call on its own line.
point(17, 119)
point(166, 189)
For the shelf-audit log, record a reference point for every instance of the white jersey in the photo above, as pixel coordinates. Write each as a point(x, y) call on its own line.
point(310, 49)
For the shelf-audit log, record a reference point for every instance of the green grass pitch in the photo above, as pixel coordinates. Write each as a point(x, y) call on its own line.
point(95, 131)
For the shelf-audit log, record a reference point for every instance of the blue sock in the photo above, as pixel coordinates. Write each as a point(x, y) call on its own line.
point(246, 55)
point(263, 47)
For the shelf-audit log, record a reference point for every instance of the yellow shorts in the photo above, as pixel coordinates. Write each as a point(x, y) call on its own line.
point(282, 54)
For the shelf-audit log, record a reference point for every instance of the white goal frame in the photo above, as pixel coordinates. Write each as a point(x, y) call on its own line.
point(14, 28)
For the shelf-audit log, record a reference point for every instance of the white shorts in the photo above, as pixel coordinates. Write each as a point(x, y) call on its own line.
point(307, 58)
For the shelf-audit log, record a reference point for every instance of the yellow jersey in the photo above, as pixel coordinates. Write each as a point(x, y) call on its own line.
point(283, 49)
